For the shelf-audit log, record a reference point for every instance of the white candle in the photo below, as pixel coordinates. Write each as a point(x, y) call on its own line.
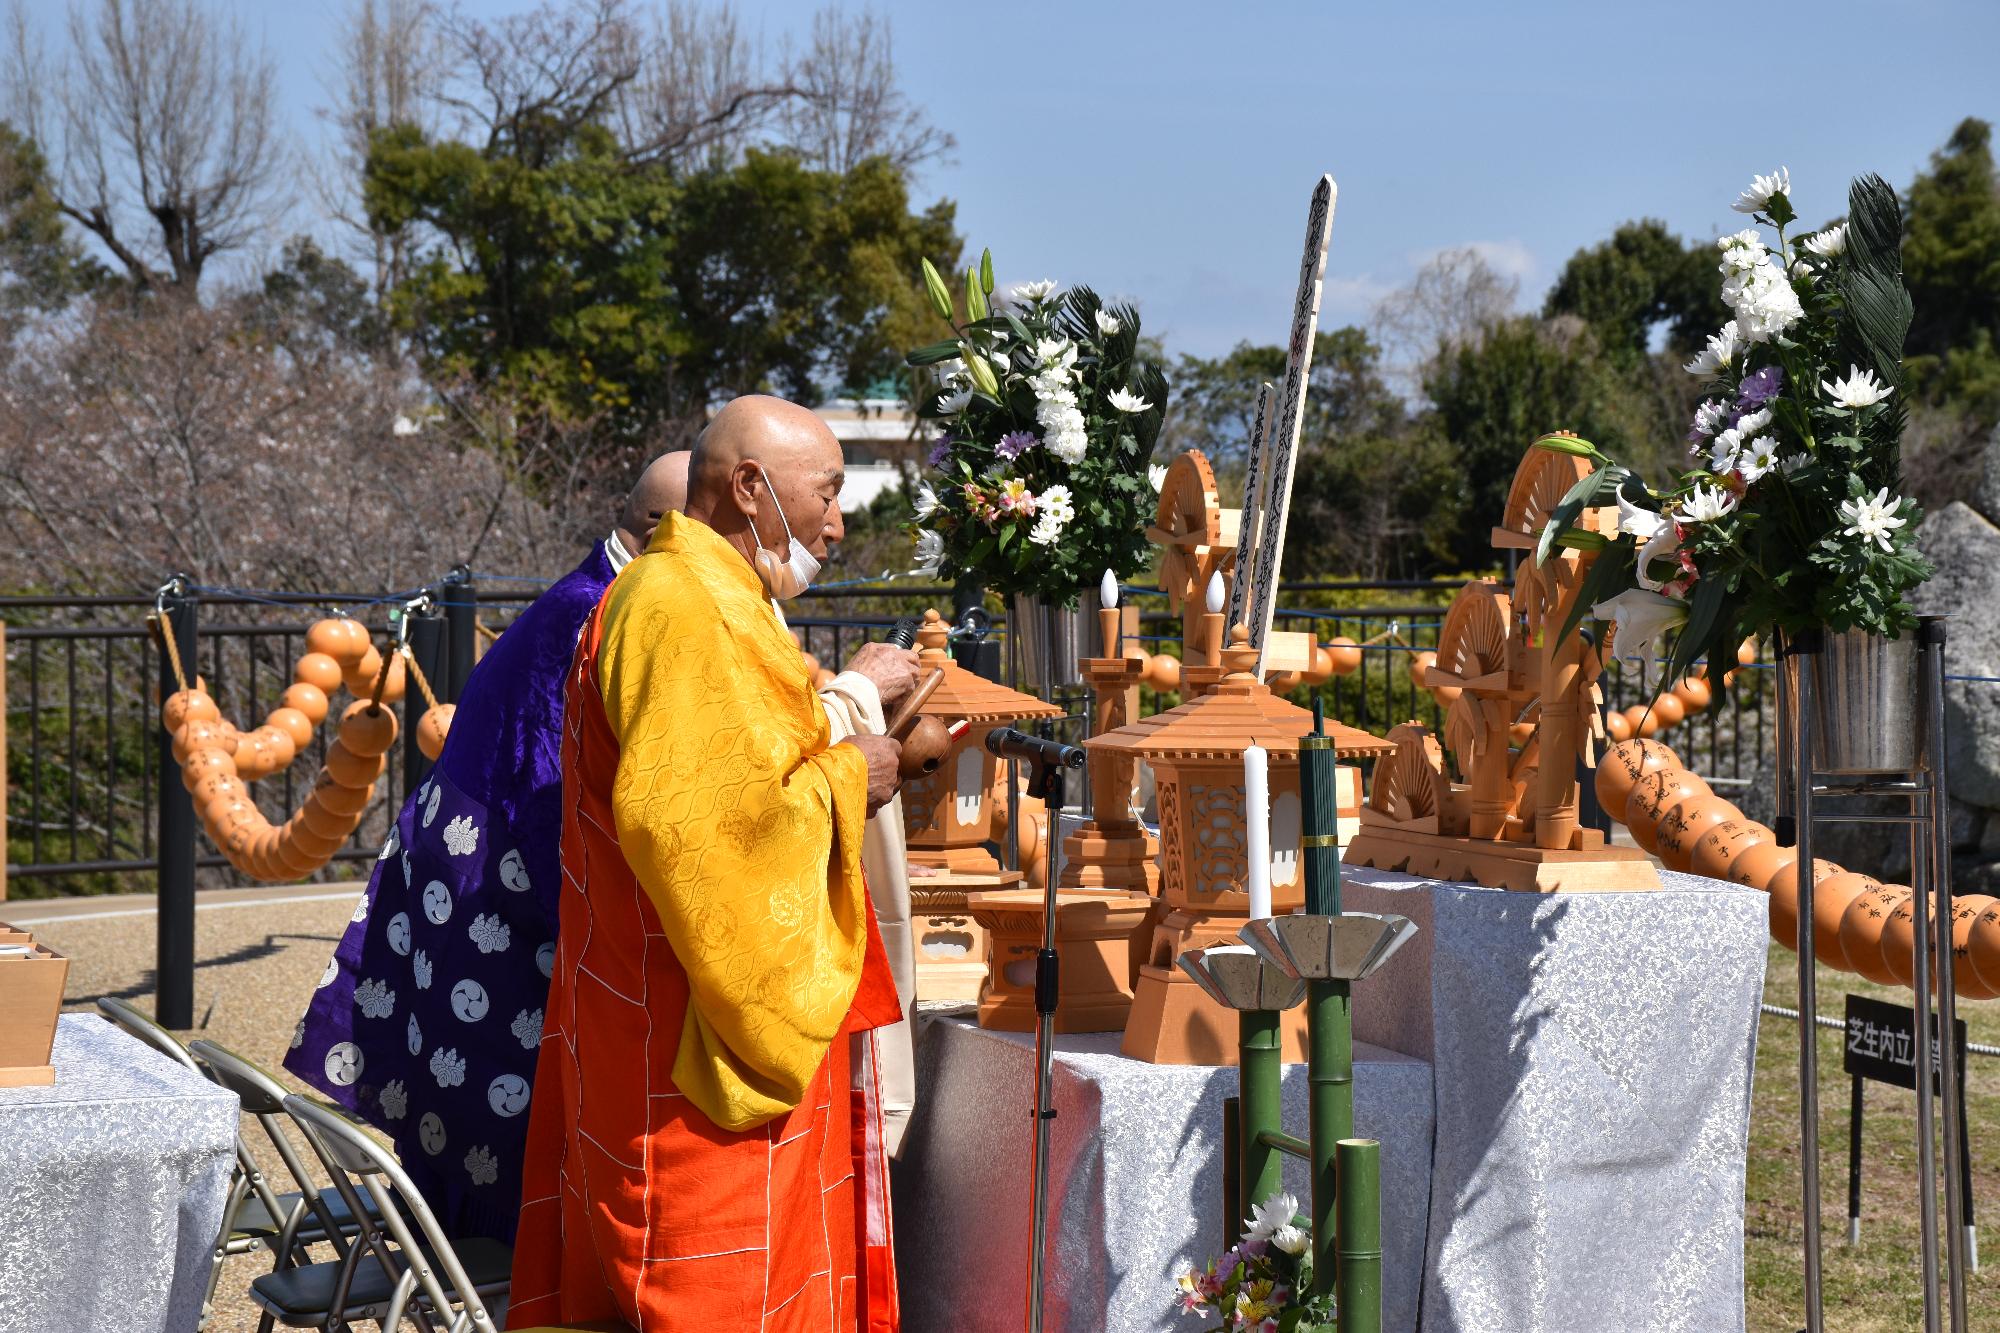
point(1107, 591)
point(1257, 829)
point(1215, 593)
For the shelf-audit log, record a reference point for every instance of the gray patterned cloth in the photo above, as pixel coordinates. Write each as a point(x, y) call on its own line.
point(1593, 1055)
point(112, 1183)
point(1135, 1181)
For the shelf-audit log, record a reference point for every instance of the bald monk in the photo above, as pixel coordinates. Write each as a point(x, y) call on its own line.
point(427, 1021)
point(706, 1148)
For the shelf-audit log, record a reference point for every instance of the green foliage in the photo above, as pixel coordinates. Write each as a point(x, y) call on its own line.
point(1524, 378)
point(591, 283)
point(1640, 279)
point(1951, 261)
point(41, 265)
point(313, 292)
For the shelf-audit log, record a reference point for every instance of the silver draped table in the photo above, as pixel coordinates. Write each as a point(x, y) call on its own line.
point(112, 1183)
point(1593, 1056)
point(1135, 1179)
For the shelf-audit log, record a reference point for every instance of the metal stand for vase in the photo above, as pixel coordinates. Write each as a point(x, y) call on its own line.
point(1814, 764)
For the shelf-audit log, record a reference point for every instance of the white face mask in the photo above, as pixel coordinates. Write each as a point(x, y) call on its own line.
point(783, 579)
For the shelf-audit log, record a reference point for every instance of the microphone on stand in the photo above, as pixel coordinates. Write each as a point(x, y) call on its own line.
point(1009, 743)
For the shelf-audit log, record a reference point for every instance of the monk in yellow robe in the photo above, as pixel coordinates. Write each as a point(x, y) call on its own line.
point(705, 1149)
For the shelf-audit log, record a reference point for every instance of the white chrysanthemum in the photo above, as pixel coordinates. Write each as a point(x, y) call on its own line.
point(1023, 292)
point(1794, 463)
point(394, 1099)
point(1873, 520)
point(1721, 350)
point(1292, 1240)
point(1742, 251)
point(1757, 458)
point(490, 933)
point(1860, 389)
point(1828, 243)
point(447, 1067)
point(461, 836)
point(1124, 400)
point(403, 425)
point(482, 1166)
point(1764, 302)
point(1704, 504)
point(1708, 418)
point(1266, 1217)
point(1156, 473)
point(374, 999)
point(1750, 423)
point(927, 501)
point(1107, 324)
point(1723, 449)
point(1064, 430)
point(1055, 353)
point(1054, 510)
point(1762, 190)
point(950, 404)
point(527, 1028)
point(929, 556)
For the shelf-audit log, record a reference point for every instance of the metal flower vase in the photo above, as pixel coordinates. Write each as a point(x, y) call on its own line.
point(1053, 639)
point(1864, 704)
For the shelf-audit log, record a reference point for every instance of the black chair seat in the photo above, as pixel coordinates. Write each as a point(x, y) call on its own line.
point(254, 1220)
point(307, 1292)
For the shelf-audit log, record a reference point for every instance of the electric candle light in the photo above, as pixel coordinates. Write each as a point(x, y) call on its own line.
point(1257, 829)
point(1107, 616)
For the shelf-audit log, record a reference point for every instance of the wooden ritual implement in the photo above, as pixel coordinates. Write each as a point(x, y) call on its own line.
point(1525, 710)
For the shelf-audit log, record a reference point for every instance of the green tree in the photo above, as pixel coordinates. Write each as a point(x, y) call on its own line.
point(1951, 262)
point(41, 266)
point(1642, 278)
point(1525, 377)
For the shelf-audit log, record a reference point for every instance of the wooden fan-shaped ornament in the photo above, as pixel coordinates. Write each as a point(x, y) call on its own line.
point(1409, 786)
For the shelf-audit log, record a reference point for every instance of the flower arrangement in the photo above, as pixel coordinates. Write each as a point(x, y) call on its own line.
point(1789, 517)
point(1261, 1284)
point(1048, 415)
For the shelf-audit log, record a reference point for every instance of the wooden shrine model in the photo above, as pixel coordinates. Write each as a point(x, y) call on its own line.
point(948, 816)
point(1197, 541)
point(1196, 751)
point(1524, 713)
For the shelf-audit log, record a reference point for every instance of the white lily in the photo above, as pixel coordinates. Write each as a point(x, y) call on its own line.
point(1659, 545)
point(1860, 389)
point(1022, 292)
point(1636, 522)
point(1639, 617)
point(1126, 401)
point(1761, 191)
point(1705, 504)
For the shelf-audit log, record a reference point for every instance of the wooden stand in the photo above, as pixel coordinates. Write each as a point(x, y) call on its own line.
point(1174, 1021)
point(952, 947)
point(1093, 939)
point(31, 991)
point(1592, 867)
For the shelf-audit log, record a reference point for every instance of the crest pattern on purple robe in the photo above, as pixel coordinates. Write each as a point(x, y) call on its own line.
point(427, 1020)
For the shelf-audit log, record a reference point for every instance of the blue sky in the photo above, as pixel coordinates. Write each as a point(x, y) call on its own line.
point(1164, 151)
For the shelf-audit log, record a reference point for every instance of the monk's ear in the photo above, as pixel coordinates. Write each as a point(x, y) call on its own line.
point(746, 488)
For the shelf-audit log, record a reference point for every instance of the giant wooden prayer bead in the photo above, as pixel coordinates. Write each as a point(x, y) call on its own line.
point(1622, 767)
point(1652, 796)
point(1717, 849)
point(1861, 928)
point(184, 706)
point(367, 730)
point(319, 670)
point(1683, 825)
point(1831, 898)
point(1784, 900)
point(296, 726)
point(349, 769)
point(307, 699)
point(1761, 864)
point(432, 728)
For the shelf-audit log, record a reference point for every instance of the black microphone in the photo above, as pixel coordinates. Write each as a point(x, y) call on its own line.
point(1006, 742)
point(905, 633)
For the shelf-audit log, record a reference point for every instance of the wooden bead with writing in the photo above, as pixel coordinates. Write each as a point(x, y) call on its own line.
point(1715, 850)
point(1683, 825)
point(1652, 796)
point(1861, 928)
point(1831, 898)
point(1623, 765)
point(367, 730)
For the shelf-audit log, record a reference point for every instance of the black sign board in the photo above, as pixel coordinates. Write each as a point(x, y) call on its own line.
point(1881, 1043)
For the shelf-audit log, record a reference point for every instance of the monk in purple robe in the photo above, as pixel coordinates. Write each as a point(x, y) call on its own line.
point(427, 1020)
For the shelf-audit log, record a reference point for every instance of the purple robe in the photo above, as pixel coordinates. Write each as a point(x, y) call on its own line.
point(427, 1020)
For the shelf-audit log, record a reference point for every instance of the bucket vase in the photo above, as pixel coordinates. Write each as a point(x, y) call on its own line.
point(1864, 704)
point(1051, 639)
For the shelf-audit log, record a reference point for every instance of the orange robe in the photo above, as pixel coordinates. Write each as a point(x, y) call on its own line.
point(705, 1147)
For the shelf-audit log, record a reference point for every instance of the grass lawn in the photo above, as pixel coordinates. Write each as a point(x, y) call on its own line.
point(1874, 1286)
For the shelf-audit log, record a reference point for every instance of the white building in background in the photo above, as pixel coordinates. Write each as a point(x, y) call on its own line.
point(876, 435)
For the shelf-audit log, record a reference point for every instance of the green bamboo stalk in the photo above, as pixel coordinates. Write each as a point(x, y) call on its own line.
point(1319, 799)
point(1259, 1074)
point(1330, 1113)
point(1360, 1290)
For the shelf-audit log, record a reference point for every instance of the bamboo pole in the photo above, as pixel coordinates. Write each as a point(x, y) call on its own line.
point(1360, 1292)
point(1259, 1074)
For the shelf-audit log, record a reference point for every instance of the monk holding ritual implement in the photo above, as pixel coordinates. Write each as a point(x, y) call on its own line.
point(706, 1149)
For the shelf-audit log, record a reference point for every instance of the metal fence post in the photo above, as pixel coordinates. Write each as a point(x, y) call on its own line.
point(461, 615)
point(427, 649)
point(173, 986)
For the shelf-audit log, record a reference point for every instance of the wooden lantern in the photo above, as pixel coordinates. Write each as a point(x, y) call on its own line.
point(1196, 751)
point(31, 991)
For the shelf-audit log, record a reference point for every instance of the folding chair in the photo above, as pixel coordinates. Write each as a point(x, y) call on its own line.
point(254, 1216)
point(393, 1270)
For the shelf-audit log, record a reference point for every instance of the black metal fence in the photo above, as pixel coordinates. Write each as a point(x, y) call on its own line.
point(82, 736)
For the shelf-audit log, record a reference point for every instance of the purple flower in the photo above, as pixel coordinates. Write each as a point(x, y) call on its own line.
point(1015, 443)
point(1760, 388)
point(939, 452)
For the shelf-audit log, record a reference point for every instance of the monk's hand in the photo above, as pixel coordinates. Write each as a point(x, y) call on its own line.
point(893, 670)
point(885, 757)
